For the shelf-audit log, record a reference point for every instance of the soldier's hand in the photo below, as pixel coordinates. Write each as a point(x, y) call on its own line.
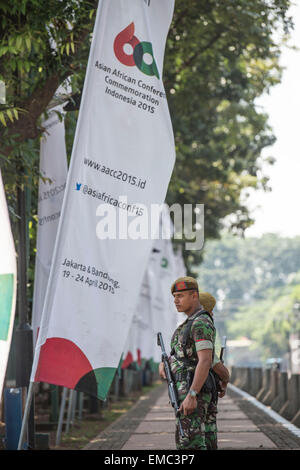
point(161, 371)
point(188, 405)
point(223, 386)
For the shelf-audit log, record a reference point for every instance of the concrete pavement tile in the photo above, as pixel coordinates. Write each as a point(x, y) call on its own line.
point(231, 415)
point(227, 408)
point(162, 441)
point(163, 401)
point(163, 404)
point(162, 411)
point(225, 399)
point(159, 416)
point(161, 408)
point(151, 427)
point(245, 440)
point(231, 425)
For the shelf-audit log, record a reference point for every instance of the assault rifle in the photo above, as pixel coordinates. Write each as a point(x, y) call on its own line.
point(171, 384)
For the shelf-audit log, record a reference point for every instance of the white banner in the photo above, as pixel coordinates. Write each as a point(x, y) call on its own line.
point(53, 168)
point(141, 341)
point(8, 282)
point(143, 316)
point(167, 275)
point(162, 272)
point(155, 309)
point(122, 160)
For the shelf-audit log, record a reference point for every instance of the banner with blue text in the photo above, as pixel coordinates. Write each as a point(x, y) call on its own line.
point(122, 160)
point(52, 183)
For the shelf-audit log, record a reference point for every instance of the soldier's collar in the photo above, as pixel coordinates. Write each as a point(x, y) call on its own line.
point(197, 311)
point(194, 314)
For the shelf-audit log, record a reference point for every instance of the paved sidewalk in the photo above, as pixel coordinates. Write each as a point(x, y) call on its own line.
point(150, 425)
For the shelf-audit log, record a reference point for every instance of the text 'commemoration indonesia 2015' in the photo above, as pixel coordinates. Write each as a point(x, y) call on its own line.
point(127, 89)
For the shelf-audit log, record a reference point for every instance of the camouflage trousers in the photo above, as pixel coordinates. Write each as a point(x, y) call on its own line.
point(200, 427)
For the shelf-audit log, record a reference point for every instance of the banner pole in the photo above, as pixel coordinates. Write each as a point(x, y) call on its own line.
point(61, 415)
point(80, 405)
point(69, 410)
point(26, 415)
point(73, 412)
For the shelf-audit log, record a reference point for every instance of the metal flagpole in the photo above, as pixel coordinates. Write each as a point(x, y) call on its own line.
point(69, 410)
point(26, 414)
point(24, 345)
point(74, 402)
point(80, 405)
point(61, 415)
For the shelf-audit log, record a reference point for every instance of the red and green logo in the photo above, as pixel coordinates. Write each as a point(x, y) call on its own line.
point(139, 49)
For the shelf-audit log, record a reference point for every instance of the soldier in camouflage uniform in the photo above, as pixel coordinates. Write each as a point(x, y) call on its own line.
point(191, 361)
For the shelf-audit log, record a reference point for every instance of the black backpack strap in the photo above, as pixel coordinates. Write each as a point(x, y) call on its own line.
point(210, 383)
point(187, 330)
point(186, 335)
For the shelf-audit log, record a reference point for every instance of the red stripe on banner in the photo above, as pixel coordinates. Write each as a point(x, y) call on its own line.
point(127, 361)
point(61, 362)
point(139, 357)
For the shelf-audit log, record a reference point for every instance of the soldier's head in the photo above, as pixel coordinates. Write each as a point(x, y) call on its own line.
point(186, 294)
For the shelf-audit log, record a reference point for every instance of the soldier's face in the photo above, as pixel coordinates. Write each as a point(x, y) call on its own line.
point(184, 300)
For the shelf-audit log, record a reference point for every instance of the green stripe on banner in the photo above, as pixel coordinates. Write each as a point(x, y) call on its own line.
point(6, 298)
point(104, 377)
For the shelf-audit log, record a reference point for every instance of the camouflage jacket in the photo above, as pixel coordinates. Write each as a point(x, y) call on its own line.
point(202, 336)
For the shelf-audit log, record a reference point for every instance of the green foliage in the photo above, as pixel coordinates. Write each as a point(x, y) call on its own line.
point(241, 270)
point(267, 322)
point(41, 44)
point(220, 57)
point(257, 282)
